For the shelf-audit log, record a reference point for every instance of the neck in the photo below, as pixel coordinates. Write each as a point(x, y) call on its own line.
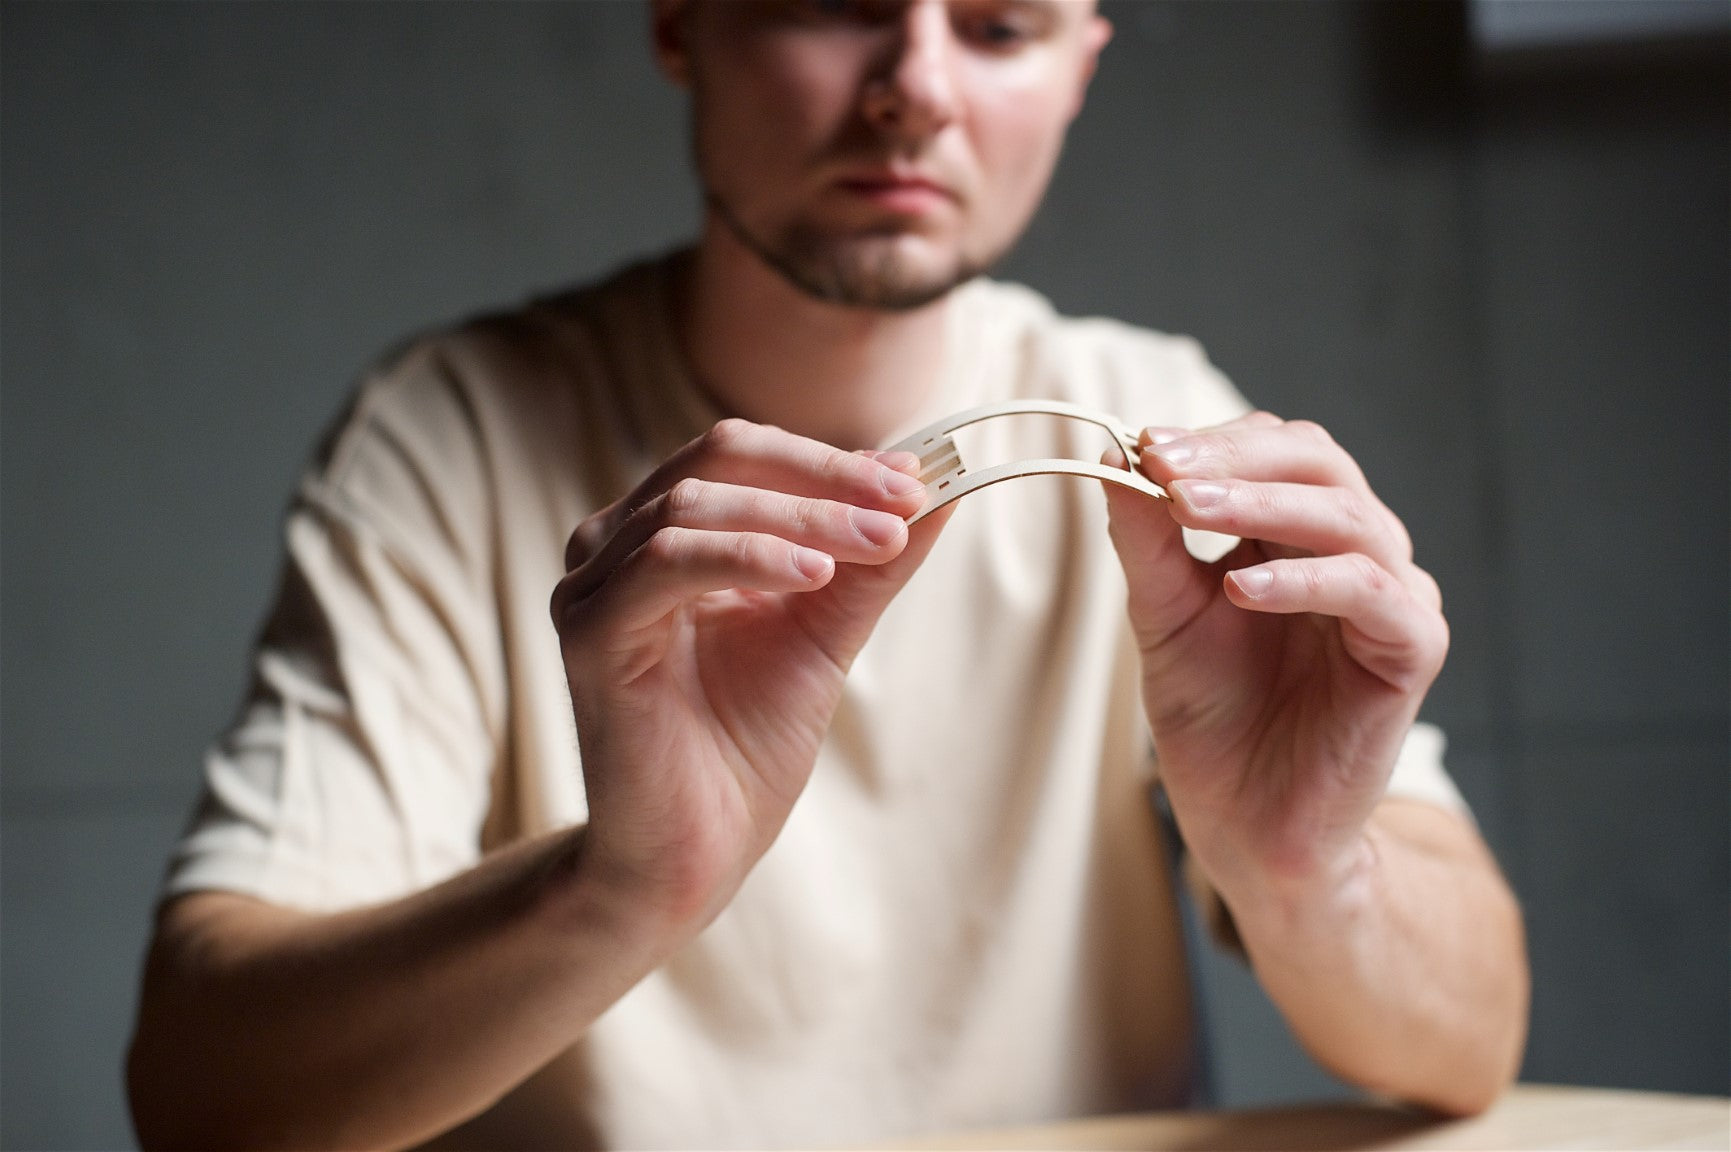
point(769, 353)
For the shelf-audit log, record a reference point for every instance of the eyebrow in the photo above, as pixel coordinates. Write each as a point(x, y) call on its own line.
point(1046, 9)
point(1049, 11)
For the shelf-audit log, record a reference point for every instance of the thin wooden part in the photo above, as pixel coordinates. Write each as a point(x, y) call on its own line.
point(925, 436)
point(946, 476)
point(949, 489)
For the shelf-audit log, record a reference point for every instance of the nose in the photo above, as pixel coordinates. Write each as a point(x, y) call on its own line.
point(912, 95)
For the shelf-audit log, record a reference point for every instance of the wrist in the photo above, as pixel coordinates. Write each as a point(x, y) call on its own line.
point(1322, 893)
point(586, 887)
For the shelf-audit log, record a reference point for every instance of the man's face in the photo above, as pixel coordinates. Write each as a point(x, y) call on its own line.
point(879, 152)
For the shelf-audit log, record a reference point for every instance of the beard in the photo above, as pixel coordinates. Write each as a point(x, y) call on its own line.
point(860, 270)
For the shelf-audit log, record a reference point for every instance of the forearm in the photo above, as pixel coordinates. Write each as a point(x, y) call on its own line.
point(379, 1027)
point(1407, 973)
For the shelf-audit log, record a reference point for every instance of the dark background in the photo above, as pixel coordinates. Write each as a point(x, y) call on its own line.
point(1501, 281)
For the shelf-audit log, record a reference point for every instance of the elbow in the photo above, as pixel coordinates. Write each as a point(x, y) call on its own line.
point(149, 1068)
point(161, 1118)
point(169, 1106)
point(172, 1109)
point(1499, 1045)
point(152, 1121)
point(178, 1079)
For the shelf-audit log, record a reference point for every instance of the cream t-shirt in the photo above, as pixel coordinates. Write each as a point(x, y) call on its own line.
point(968, 918)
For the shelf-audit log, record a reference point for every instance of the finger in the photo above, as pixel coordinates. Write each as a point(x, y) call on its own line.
point(593, 533)
point(840, 616)
point(759, 456)
point(855, 535)
point(1295, 451)
point(1166, 585)
point(679, 564)
point(1322, 520)
point(1385, 629)
point(1161, 434)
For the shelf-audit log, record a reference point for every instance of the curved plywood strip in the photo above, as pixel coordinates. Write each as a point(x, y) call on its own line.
point(946, 475)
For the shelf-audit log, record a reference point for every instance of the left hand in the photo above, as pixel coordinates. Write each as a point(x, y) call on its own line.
point(1281, 680)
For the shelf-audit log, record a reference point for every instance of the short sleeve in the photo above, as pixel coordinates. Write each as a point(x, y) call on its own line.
point(1419, 773)
point(360, 766)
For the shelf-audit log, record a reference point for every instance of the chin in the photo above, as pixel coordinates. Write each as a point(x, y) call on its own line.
point(892, 273)
point(885, 269)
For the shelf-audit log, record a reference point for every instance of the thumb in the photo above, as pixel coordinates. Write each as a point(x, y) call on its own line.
point(840, 616)
point(1168, 586)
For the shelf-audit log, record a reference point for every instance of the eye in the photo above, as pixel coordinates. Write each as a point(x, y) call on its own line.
point(1003, 27)
point(999, 33)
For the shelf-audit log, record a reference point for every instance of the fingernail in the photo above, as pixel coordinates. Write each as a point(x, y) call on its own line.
point(899, 483)
point(1198, 493)
point(880, 528)
point(812, 564)
point(1175, 455)
point(1162, 435)
point(1253, 582)
point(901, 461)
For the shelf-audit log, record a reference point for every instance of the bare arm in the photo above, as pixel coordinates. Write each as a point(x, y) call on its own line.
point(707, 622)
point(265, 1027)
point(1280, 684)
point(1407, 974)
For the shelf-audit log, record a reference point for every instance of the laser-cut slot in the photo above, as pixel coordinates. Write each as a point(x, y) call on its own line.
point(943, 467)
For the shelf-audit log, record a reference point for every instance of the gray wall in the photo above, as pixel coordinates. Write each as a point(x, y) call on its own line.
point(1509, 296)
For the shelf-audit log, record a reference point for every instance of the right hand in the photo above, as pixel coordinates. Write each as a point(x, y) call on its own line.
point(707, 621)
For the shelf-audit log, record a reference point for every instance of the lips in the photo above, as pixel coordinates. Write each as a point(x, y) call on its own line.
point(897, 191)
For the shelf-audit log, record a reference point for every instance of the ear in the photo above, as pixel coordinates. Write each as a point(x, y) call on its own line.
point(1095, 36)
point(667, 26)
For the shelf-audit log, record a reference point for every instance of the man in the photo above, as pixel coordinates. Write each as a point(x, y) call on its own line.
point(966, 918)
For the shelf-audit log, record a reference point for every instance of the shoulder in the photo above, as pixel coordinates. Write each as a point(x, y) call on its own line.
point(437, 425)
point(1140, 374)
point(436, 391)
point(509, 381)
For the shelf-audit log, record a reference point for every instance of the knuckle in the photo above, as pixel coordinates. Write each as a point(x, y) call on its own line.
point(726, 435)
point(1262, 502)
point(1431, 590)
point(1216, 454)
point(1359, 521)
point(681, 503)
point(749, 550)
point(1310, 430)
point(1373, 575)
point(585, 540)
point(808, 516)
point(576, 549)
point(1399, 535)
point(566, 609)
point(1424, 659)
point(667, 545)
point(844, 470)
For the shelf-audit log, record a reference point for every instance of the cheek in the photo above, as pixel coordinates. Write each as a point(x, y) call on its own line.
point(768, 106)
point(1018, 134)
